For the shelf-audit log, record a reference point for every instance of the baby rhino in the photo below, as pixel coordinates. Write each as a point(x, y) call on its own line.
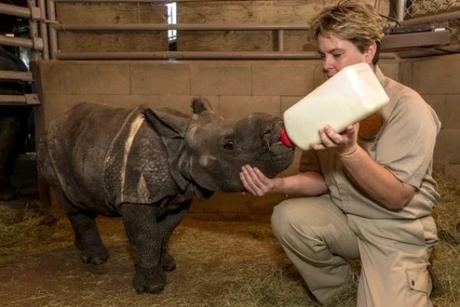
point(145, 165)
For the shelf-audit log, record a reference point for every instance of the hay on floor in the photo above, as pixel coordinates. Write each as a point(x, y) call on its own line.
point(219, 263)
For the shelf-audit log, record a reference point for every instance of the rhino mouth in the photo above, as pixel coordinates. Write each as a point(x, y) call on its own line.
point(275, 151)
point(274, 144)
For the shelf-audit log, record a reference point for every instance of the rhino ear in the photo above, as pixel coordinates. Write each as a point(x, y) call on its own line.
point(200, 105)
point(166, 123)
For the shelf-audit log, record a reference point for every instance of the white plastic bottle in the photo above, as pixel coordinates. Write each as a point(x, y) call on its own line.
point(349, 96)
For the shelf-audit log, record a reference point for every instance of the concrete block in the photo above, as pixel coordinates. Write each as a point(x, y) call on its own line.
point(405, 73)
point(223, 78)
point(57, 77)
point(437, 74)
point(286, 78)
point(160, 78)
point(101, 78)
point(297, 40)
point(56, 104)
point(237, 107)
point(437, 102)
point(319, 77)
point(226, 41)
point(452, 112)
point(289, 101)
point(295, 11)
point(447, 146)
point(126, 101)
point(390, 68)
point(183, 103)
point(113, 41)
point(110, 13)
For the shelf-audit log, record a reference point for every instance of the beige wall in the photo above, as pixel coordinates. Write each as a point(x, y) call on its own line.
point(437, 79)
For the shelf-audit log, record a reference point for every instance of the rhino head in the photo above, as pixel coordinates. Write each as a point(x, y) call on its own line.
point(210, 150)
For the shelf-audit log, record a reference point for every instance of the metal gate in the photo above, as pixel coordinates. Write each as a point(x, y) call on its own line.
point(37, 41)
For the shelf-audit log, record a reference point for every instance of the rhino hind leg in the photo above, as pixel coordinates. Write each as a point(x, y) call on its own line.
point(166, 225)
point(87, 238)
point(142, 231)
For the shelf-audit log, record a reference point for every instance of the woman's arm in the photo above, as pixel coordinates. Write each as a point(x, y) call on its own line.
point(307, 183)
point(378, 182)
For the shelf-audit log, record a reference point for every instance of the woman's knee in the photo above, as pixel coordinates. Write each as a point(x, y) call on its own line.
point(291, 215)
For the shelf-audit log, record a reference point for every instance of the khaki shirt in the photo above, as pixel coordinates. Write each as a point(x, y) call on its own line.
point(404, 145)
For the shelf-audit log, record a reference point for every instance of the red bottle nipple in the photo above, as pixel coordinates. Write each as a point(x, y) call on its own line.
point(284, 138)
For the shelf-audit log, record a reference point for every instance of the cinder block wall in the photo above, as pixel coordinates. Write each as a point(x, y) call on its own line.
point(437, 80)
point(234, 88)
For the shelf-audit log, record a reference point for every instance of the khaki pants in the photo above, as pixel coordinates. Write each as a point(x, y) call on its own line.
point(319, 238)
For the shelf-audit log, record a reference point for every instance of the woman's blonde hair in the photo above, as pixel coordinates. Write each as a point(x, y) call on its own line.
point(351, 20)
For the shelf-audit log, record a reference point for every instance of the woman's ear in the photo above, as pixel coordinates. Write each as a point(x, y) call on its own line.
point(370, 53)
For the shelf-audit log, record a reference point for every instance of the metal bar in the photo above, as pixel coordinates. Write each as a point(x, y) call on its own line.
point(422, 52)
point(43, 29)
point(150, 1)
point(16, 75)
point(183, 55)
point(182, 27)
point(280, 40)
point(400, 9)
point(433, 18)
point(26, 99)
point(15, 10)
point(415, 39)
point(33, 33)
point(256, 55)
point(52, 31)
point(16, 41)
point(8, 99)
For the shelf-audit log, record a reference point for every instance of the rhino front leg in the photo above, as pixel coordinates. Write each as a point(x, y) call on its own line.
point(167, 224)
point(142, 229)
point(87, 238)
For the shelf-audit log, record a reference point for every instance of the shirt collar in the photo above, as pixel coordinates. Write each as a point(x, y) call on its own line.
point(380, 76)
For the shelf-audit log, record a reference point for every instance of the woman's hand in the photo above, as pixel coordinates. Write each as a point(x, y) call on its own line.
point(255, 182)
point(345, 142)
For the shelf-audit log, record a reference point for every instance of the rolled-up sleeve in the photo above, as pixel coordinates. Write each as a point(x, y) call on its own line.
point(407, 143)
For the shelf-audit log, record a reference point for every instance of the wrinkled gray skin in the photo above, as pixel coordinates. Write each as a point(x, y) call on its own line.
point(146, 165)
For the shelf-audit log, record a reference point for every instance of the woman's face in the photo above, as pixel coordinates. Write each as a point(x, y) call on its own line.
point(337, 53)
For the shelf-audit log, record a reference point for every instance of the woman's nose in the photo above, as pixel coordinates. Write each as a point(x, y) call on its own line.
point(327, 63)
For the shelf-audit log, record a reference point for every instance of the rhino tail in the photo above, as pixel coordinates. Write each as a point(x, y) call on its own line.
point(44, 164)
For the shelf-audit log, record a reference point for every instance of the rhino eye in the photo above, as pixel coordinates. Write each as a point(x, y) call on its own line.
point(228, 144)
